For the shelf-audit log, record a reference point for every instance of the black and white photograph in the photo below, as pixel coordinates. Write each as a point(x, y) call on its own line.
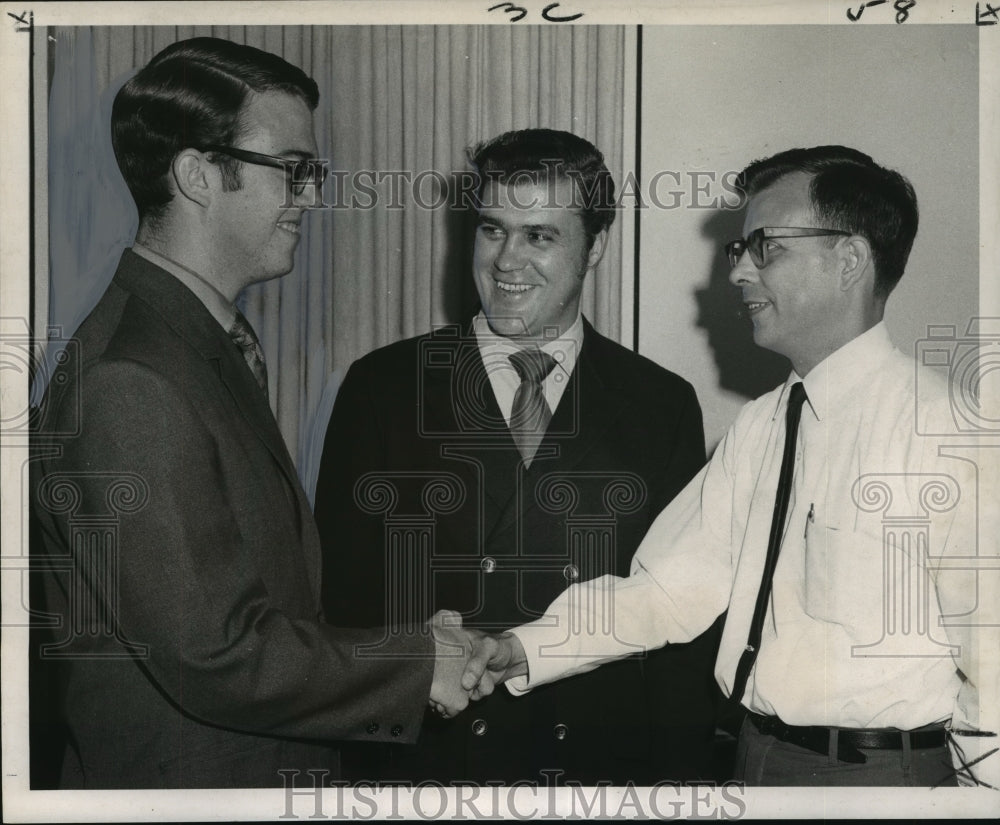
point(493, 410)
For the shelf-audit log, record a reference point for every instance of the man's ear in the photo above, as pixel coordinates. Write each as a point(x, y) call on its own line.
point(597, 249)
point(856, 262)
point(194, 177)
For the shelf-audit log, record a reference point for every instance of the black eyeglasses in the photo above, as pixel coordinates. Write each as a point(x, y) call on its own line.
point(754, 242)
point(299, 172)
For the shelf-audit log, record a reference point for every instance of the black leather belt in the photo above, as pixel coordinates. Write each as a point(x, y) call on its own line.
point(849, 740)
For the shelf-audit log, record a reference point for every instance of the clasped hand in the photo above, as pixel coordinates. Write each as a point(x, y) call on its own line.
point(469, 663)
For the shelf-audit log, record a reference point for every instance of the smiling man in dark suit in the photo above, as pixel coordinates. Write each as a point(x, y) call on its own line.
point(485, 466)
point(183, 558)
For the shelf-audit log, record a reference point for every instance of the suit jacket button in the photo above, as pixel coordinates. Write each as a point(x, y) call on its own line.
point(372, 727)
point(479, 727)
point(396, 730)
point(570, 572)
point(489, 565)
point(560, 731)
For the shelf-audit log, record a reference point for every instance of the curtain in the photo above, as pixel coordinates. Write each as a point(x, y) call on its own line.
point(402, 102)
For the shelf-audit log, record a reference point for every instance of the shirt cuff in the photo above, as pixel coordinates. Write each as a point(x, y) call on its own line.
point(534, 637)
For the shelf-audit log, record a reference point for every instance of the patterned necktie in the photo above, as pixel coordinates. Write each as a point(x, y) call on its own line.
point(530, 414)
point(244, 337)
point(796, 398)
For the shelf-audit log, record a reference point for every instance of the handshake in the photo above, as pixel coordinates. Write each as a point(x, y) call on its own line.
point(468, 663)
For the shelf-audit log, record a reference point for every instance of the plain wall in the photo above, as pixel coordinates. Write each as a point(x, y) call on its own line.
point(714, 98)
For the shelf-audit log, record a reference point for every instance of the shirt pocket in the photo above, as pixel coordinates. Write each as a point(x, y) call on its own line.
point(844, 575)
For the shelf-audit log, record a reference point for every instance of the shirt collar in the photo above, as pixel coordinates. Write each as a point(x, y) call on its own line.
point(842, 374)
point(565, 349)
point(220, 308)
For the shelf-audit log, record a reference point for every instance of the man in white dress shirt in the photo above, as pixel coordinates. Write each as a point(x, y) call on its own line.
point(863, 666)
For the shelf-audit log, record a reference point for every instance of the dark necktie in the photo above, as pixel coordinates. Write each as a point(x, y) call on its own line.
point(244, 337)
point(530, 414)
point(796, 397)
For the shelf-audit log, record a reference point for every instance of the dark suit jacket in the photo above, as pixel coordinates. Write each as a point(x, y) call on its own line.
point(186, 565)
point(422, 504)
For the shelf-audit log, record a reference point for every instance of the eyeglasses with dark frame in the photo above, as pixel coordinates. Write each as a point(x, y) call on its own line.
point(754, 242)
point(299, 172)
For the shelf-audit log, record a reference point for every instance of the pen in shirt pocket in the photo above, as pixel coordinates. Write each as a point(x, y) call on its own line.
point(810, 517)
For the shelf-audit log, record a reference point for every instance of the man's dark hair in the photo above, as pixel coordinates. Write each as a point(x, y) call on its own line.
point(849, 191)
point(544, 156)
point(192, 94)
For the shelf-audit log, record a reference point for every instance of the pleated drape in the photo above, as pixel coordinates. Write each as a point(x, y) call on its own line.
point(402, 102)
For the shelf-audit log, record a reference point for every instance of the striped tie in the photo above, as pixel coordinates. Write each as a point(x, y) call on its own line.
point(244, 337)
point(530, 414)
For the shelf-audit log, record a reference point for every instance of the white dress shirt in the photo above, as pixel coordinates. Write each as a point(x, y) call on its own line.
point(496, 350)
point(862, 631)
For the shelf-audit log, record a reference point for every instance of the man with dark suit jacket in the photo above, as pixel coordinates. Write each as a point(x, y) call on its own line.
point(183, 560)
point(486, 465)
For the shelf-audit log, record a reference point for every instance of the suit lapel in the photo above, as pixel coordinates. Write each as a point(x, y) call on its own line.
point(461, 412)
point(588, 409)
point(184, 313)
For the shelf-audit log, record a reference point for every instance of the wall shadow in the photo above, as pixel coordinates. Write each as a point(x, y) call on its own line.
point(744, 367)
point(461, 298)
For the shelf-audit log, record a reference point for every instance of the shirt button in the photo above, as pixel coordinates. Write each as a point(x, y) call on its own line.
point(396, 730)
point(489, 565)
point(560, 731)
point(479, 727)
point(570, 572)
point(372, 727)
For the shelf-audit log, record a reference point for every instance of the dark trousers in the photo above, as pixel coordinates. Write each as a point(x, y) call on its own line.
point(763, 760)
